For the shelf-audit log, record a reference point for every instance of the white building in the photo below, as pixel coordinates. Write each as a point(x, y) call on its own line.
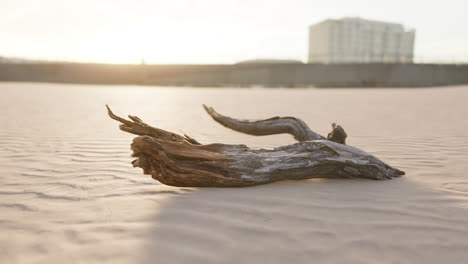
point(356, 40)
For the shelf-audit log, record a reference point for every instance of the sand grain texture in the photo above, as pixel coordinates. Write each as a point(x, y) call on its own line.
point(68, 193)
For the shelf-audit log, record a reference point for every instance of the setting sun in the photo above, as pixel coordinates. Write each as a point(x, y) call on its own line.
point(206, 31)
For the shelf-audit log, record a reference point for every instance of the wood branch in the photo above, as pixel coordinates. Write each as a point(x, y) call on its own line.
point(275, 125)
point(181, 161)
point(338, 134)
point(138, 127)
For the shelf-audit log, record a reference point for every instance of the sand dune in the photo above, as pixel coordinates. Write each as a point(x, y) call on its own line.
point(68, 193)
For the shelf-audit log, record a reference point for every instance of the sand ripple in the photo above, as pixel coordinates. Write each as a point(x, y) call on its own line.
point(68, 193)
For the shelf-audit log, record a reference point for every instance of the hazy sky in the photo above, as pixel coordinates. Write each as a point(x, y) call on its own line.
point(211, 31)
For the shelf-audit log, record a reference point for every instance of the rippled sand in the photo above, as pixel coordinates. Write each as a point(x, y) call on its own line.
point(68, 193)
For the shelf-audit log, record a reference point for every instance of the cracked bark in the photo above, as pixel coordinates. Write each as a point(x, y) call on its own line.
point(179, 160)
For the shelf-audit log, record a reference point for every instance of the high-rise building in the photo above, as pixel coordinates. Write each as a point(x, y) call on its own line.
point(356, 40)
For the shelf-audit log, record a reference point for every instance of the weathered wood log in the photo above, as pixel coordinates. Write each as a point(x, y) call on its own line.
point(182, 161)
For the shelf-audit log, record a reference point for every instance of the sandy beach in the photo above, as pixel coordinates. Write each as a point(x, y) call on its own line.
point(68, 192)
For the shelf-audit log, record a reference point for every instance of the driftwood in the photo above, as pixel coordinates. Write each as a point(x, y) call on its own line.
point(182, 161)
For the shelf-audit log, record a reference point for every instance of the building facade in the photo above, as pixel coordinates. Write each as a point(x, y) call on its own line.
point(356, 40)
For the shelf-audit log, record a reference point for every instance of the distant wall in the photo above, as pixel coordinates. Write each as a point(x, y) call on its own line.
point(71, 73)
point(268, 75)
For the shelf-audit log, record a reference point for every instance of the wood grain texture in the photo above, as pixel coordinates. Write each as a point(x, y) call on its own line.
point(179, 160)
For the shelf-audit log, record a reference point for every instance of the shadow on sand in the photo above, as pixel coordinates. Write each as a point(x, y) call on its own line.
point(314, 221)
